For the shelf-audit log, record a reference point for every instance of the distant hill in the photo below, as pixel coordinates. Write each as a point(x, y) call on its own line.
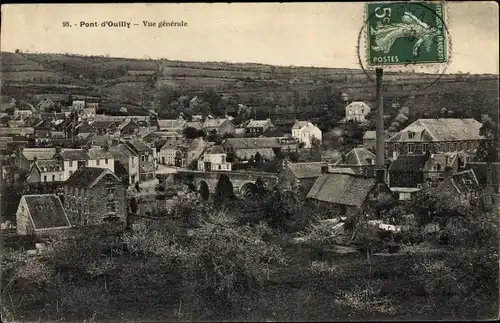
point(272, 89)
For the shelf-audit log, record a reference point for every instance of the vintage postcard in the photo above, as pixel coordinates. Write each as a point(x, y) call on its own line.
point(328, 161)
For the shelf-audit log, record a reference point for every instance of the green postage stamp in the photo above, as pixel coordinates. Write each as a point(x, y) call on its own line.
point(402, 33)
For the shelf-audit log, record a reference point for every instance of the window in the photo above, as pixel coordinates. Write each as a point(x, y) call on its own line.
point(70, 163)
point(111, 191)
point(142, 158)
point(410, 148)
point(53, 178)
point(437, 167)
point(85, 193)
point(396, 148)
point(97, 162)
point(106, 161)
point(425, 147)
point(411, 134)
point(111, 206)
point(454, 146)
point(70, 172)
point(467, 145)
point(460, 146)
point(44, 178)
point(449, 147)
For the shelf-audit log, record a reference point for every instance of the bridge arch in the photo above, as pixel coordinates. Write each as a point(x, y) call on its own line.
point(203, 189)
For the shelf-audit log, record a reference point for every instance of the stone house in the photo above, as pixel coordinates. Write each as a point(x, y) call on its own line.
point(300, 175)
point(242, 149)
point(214, 159)
point(40, 213)
point(349, 194)
point(255, 128)
point(45, 105)
point(220, 127)
point(306, 132)
point(146, 155)
point(172, 152)
point(94, 196)
point(25, 157)
point(356, 112)
point(44, 171)
point(127, 160)
point(173, 125)
point(435, 136)
point(360, 160)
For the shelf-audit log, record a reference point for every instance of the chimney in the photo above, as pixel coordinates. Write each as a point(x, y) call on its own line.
point(380, 142)
point(324, 169)
point(58, 149)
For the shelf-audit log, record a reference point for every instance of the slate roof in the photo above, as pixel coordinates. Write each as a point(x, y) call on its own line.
point(171, 124)
point(49, 165)
point(357, 156)
point(99, 153)
point(252, 143)
point(408, 163)
point(74, 154)
point(258, 123)
point(39, 153)
point(372, 134)
point(306, 170)
point(447, 129)
point(46, 211)
point(345, 189)
point(139, 145)
point(213, 123)
point(173, 142)
point(299, 124)
point(465, 181)
point(88, 176)
point(121, 152)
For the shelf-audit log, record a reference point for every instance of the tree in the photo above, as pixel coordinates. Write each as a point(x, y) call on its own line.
point(223, 191)
point(487, 151)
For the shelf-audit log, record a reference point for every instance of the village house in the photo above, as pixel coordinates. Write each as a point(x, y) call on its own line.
point(175, 125)
point(348, 194)
point(126, 160)
point(84, 130)
point(45, 105)
point(40, 214)
point(355, 112)
point(94, 196)
point(243, 149)
point(146, 154)
point(26, 132)
point(256, 128)
point(105, 126)
point(410, 173)
point(128, 127)
point(214, 159)
point(300, 175)
point(46, 171)
point(194, 124)
point(220, 127)
point(100, 157)
point(172, 152)
point(22, 112)
point(25, 157)
point(195, 151)
point(306, 133)
point(464, 186)
point(360, 160)
point(369, 139)
point(436, 136)
point(71, 159)
point(78, 105)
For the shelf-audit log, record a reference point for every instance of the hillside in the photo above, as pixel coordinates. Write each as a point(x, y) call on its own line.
point(273, 90)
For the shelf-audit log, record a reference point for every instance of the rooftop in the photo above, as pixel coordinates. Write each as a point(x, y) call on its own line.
point(89, 176)
point(46, 211)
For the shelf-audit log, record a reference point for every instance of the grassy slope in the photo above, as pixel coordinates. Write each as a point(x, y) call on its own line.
point(122, 80)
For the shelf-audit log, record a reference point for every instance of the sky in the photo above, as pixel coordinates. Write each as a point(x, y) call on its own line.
point(302, 34)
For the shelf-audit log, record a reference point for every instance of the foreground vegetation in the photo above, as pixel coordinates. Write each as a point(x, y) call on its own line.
point(239, 260)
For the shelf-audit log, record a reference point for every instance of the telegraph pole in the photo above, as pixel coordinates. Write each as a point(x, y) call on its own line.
point(380, 153)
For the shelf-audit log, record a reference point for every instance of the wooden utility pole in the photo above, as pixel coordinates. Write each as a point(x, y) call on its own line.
point(380, 156)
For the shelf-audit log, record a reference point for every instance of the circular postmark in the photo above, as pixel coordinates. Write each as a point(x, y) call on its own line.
point(405, 37)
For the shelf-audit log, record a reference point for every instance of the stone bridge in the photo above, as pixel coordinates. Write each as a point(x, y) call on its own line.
point(243, 182)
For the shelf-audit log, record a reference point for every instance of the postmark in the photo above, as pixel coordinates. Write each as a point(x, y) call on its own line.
point(405, 36)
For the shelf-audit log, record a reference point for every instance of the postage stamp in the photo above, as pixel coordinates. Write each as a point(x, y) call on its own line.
point(402, 33)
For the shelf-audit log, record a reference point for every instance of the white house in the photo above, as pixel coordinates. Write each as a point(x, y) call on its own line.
point(305, 131)
point(356, 112)
point(214, 158)
point(73, 159)
point(101, 158)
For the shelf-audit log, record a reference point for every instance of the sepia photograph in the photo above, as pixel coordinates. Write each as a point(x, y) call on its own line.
point(250, 162)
